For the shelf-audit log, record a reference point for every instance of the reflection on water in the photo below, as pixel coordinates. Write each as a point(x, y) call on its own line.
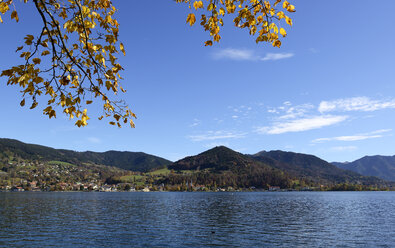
point(284, 219)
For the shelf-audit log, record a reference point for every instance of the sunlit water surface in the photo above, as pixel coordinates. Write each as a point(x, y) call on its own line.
point(261, 219)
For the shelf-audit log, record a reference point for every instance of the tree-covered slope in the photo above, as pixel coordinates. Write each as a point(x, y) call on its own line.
point(312, 167)
point(378, 166)
point(226, 167)
point(135, 161)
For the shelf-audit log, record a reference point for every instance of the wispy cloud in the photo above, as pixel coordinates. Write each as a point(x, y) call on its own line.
point(196, 122)
point(343, 148)
point(277, 56)
point(235, 54)
point(292, 112)
point(303, 124)
point(363, 136)
point(248, 55)
point(94, 140)
point(355, 104)
point(216, 135)
point(214, 144)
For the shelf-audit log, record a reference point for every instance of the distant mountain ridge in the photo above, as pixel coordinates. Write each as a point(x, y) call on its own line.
point(226, 167)
point(379, 166)
point(218, 158)
point(292, 166)
point(222, 163)
point(309, 166)
point(135, 161)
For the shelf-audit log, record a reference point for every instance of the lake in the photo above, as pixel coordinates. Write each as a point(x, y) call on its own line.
point(167, 219)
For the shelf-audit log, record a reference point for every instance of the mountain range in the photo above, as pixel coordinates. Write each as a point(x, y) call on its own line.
point(221, 166)
point(134, 161)
point(291, 166)
point(378, 166)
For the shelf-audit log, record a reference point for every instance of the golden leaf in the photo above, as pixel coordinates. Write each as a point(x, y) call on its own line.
point(285, 4)
point(282, 32)
point(36, 61)
point(34, 105)
point(288, 20)
point(291, 8)
point(198, 4)
point(277, 43)
point(3, 7)
point(191, 19)
point(14, 15)
point(122, 49)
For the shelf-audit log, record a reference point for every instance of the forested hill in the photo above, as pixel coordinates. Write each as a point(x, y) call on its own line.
point(226, 168)
point(311, 167)
point(135, 161)
point(218, 158)
point(272, 168)
point(379, 166)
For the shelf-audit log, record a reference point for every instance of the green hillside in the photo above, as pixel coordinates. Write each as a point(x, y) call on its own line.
point(134, 161)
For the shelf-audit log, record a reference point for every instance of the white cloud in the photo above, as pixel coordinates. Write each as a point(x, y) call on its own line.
point(94, 140)
point(303, 124)
point(355, 104)
point(248, 55)
point(195, 123)
point(277, 56)
point(216, 135)
point(344, 148)
point(235, 54)
point(287, 111)
point(296, 111)
point(214, 144)
point(363, 136)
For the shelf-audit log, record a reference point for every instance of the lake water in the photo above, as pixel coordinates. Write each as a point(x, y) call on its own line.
point(158, 219)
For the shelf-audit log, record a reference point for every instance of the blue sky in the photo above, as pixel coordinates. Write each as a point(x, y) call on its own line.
point(328, 91)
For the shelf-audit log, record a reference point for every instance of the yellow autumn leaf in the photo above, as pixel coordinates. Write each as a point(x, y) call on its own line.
point(277, 43)
point(285, 4)
point(288, 20)
point(291, 8)
point(14, 15)
point(22, 102)
point(34, 105)
point(191, 19)
point(36, 61)
point(122, 49)
point(131, 123)
point(282, 32)
point(208, 43)
point(3, 7)
point(198, 4)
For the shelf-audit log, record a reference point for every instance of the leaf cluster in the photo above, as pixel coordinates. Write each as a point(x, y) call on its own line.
point(261, 18)
point(73, 59)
